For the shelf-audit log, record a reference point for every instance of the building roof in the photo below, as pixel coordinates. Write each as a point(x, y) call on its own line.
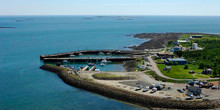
point(181, 41)
point(176, 59)
point(196, 35)
point(178, 47)
point(168, 67)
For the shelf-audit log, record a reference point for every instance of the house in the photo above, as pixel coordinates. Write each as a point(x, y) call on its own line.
point(181, 41)
point(192, 72)
point(180, 61)
point(172, 50)
point(207, 71)
point(176, 43)
point(196, 36)
point(177, 48)
point(167, 68)
point(195, 90)
point(164, 56)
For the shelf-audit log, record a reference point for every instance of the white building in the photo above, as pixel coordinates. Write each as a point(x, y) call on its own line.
point(194, 46)
point(181, 41)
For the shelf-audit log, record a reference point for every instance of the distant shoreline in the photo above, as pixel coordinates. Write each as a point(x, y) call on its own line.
point(7, 27)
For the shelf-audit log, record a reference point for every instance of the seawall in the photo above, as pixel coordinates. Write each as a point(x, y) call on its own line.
point(118, 52)
point(127, 96)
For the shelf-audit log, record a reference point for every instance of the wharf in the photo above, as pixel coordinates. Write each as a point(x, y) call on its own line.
point(118, 52)
point(89, 59)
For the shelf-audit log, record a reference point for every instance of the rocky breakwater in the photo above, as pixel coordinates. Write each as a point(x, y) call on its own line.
point(127, 96)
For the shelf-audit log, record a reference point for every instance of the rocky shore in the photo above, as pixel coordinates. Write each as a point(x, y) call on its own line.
point(129, 65)
point(127, 96)
point(158, 40)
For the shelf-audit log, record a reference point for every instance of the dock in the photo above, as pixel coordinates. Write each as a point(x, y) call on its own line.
point(118, 52)
point(85, 68)
point(89, 59)
point(93, 68)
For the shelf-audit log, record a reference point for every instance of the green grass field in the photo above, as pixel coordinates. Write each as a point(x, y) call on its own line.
point(179, 72)
point(106, 75)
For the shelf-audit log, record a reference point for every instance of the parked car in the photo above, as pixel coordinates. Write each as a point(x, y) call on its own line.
point(153, 90)
point(180, 91)
point(138, 88)
point(199, 97)
point(189, 94)
point(214, 87)
point(152, 86)
point(189, 98)
point(146, 89)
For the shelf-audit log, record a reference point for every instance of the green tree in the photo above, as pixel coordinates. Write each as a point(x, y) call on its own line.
point(175, 63)
point(170, 63)
point(186, 66)
point(201, 66)
point(179, 53)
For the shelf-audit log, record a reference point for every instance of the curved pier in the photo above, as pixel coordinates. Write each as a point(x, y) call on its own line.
point(127, 96)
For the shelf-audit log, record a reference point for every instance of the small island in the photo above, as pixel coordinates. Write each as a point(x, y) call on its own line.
point(172, 70)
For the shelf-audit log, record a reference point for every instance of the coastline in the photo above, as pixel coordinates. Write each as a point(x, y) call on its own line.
point(157, 40)
point(126, 96)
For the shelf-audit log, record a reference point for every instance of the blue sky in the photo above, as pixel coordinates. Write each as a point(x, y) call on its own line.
point(110, 7)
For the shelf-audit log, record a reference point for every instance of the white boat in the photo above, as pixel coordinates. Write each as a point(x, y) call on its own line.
point(91, 64)
point(80, 54)
point(72, 55)
point(105, 61)
point(97, 70)
point(101, 64)
point(65, 61)
point(101, 53)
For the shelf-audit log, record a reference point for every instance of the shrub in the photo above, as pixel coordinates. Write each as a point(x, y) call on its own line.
point(186, 66)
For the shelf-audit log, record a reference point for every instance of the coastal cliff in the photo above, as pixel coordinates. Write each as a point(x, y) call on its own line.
point(123, 95)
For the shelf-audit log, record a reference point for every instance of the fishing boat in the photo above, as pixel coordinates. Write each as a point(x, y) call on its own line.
point(65, 61)
point(72, 55)
point(101, 53)
point(101, 64)
point(80, 54)
point(91, 64)
point(105, 61)
point(97, 70)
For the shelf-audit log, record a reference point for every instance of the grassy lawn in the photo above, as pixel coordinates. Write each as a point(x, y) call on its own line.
point(108, 76)
point(179, 72)
point(201, 76)
point(154, 75)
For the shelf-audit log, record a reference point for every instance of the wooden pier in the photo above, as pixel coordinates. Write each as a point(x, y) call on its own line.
point(85, 68)
point(93, 68)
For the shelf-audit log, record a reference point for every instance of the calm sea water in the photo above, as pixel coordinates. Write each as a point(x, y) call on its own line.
point(24, 86)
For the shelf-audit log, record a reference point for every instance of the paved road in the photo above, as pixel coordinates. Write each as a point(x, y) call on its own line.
point(158, 72)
